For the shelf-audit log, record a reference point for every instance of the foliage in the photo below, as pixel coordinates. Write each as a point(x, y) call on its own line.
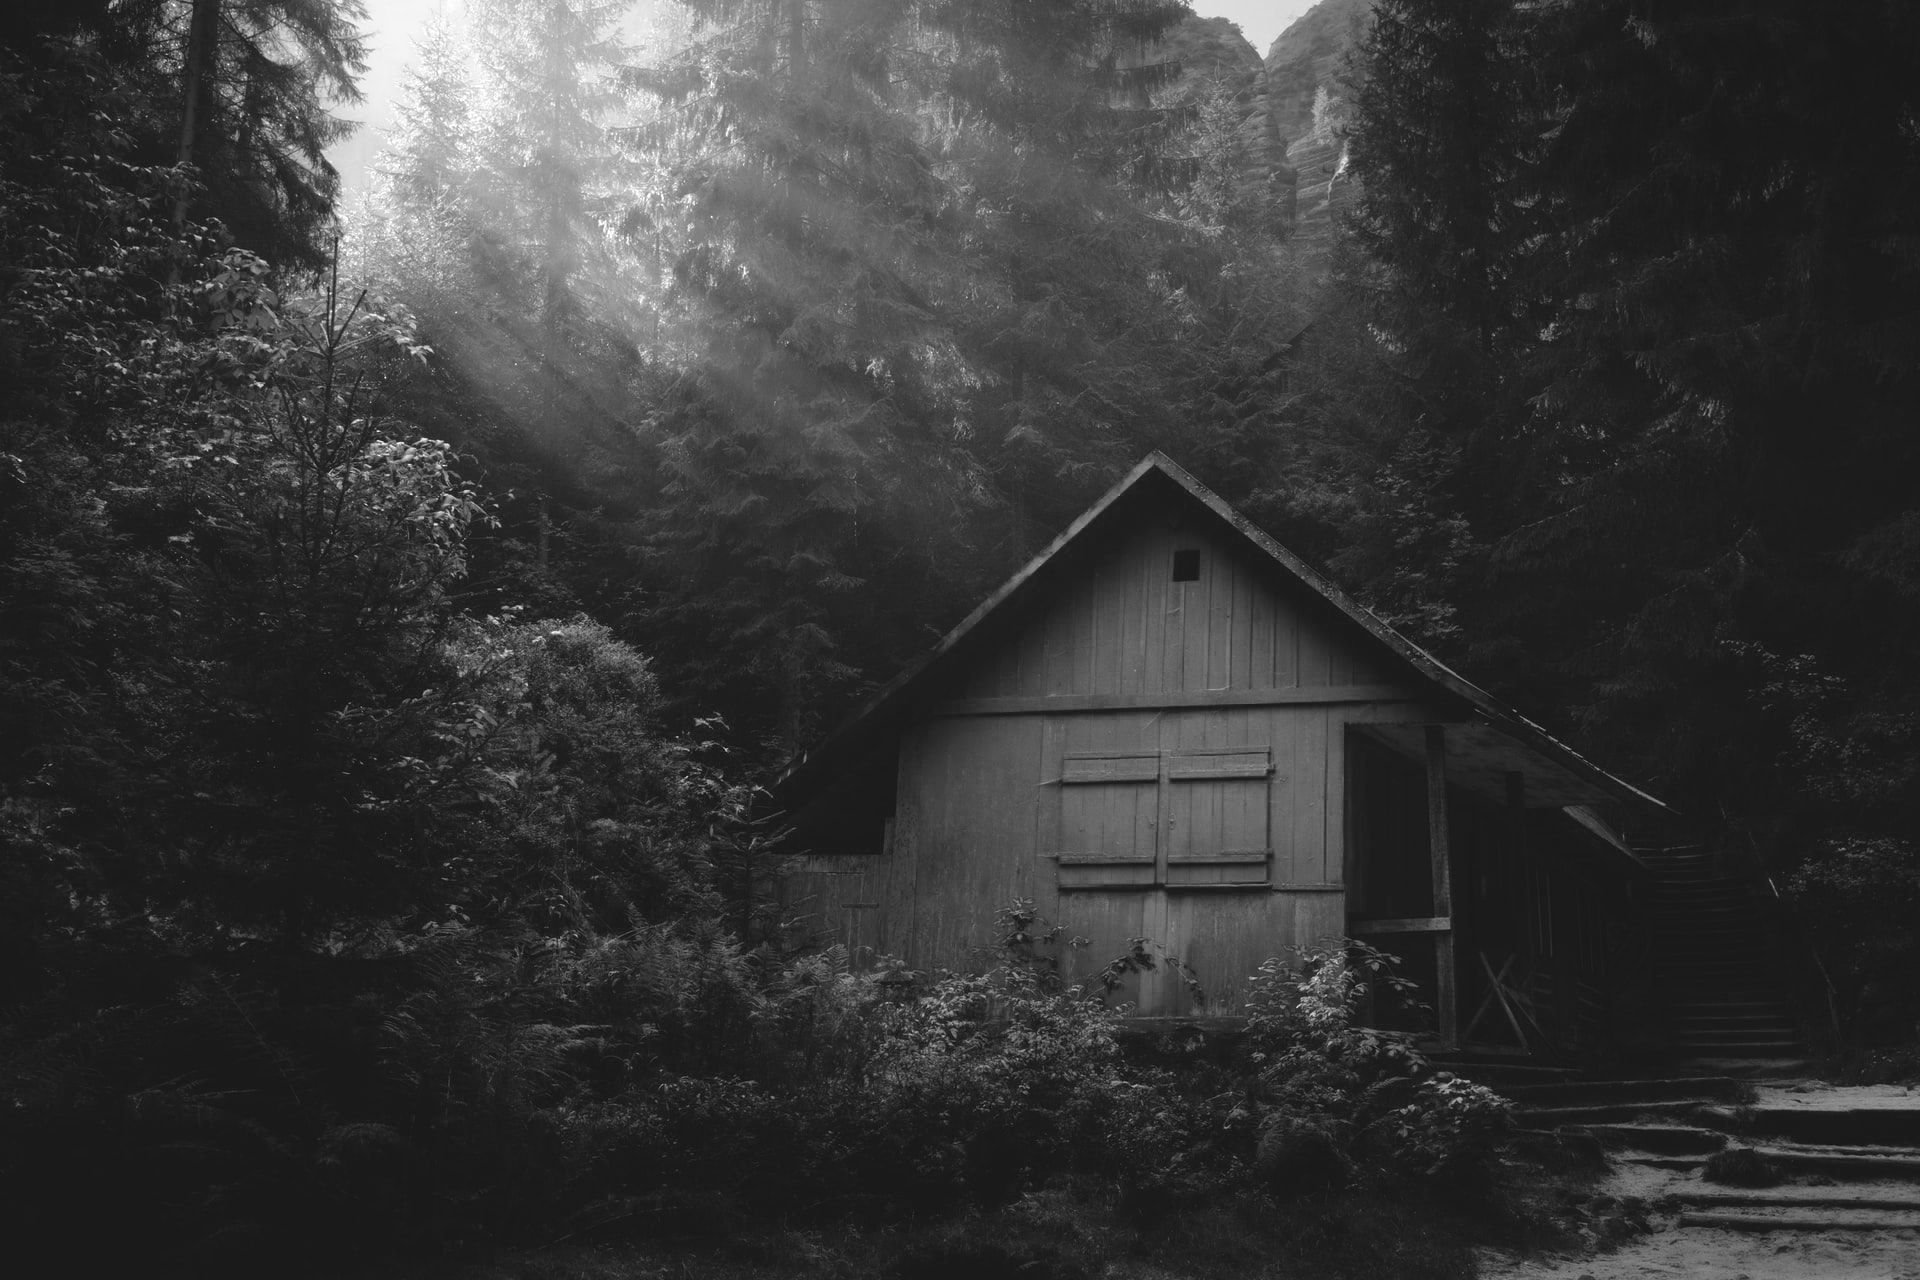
point(1351, 1091)
point(1622, 267)
point(858, 313)
point(241, 91)
point(314, 884)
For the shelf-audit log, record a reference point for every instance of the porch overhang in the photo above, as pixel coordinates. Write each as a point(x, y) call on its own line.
point(1481, 758)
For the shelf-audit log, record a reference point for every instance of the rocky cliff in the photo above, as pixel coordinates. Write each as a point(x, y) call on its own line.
point(1215, 58)
point(1306, 92)
point(1291, 107)
point(1307, 60)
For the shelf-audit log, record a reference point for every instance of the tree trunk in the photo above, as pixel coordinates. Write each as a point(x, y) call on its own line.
point(796, 40)
point(194, 74)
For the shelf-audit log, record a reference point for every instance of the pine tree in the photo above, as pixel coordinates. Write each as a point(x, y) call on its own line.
point(1682, 286)
point(909, 293)
point(428, 157)
point(1446, 121)
point(244, 87)
point(494, 216)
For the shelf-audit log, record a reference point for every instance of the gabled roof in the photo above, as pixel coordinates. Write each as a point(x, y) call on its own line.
point(879, 721)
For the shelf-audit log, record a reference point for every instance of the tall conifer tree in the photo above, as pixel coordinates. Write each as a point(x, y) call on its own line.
point(244, 89)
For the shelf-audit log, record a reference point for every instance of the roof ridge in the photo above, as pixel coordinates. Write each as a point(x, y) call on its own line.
point(887, 700)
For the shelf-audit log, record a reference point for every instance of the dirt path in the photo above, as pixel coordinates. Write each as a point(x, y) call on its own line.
point(1702, 1253)
point(1695, 1253)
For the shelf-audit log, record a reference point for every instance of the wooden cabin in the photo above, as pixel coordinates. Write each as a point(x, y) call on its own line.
point(1167, 726)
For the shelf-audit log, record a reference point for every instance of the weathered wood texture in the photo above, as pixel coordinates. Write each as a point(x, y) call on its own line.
point(1446, 1005)
point(1187, 825)
point(1549, 950)
point(1225, 766)
point(1125, 627)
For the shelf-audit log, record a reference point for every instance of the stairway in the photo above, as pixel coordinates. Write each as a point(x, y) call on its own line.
point(1717, 961)
point(1831, 1176)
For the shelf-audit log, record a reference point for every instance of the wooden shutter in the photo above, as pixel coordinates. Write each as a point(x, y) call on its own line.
point(1216, 829)
point(1109, 813)
point(1186, 820)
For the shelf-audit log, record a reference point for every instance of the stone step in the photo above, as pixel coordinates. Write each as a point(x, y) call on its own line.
point(1694, 950)
point(1745, 944)
point(1825, 1220)
point(1610, 1113)
point(1499, 1073)
point(1678, 1164)
point(1668, 879)
point(1700, 1006)
point(1715, 973)
point(1757, 1049)
point(1691, 931)
point(1598, 1092)
point(1836, 1128)
point(1695, 929)
point(1675, 916)
point(1735, 1029)
point(1854, 1163)
point(1750, 1068)
point(1896, 1198)
point(1730, 928)
point(1750, 1005)
point(1692, 947)
point(1732, 1021)
point(1658, 1139)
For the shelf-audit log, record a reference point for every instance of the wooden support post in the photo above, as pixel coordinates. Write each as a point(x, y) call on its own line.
point(1445, 997)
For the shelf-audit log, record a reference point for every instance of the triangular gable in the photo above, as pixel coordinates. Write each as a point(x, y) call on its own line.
point(881, 718)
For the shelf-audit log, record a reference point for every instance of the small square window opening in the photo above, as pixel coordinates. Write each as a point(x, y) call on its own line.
point(1186, 565)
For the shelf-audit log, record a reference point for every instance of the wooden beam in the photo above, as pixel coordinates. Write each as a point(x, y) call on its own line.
point(1416, 924)
point(1445, 989)
point(1059, 702)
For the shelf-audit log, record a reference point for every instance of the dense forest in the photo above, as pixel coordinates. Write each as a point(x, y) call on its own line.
point(402, 602)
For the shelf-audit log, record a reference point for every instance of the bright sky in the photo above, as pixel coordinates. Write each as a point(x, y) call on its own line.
point(393, 25)
point(1259, 20)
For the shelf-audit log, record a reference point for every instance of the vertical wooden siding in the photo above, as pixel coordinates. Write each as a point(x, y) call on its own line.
point(1125, 627)
point(965, 835)
point(981, 808)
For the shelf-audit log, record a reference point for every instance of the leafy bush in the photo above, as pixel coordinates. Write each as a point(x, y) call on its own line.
point(1330, 1093)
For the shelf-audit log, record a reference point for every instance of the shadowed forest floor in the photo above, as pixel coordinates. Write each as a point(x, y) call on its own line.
point(1074, 1232)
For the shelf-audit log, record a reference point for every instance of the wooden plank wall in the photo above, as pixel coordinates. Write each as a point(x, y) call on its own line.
point(1125, 627)
point(981, 807)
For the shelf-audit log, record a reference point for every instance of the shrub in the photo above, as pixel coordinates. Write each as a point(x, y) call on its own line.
point(1329, 1093)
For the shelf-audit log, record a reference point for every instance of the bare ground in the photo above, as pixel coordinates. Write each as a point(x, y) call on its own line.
point(1698, 1253)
